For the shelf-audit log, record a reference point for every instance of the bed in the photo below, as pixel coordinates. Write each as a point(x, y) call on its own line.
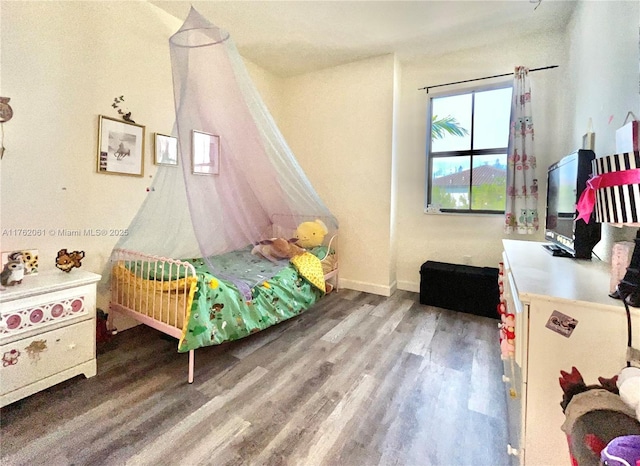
point(183, 299)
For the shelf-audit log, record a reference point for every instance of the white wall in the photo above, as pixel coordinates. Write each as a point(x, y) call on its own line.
point(602, 82)
point(322, 112)
point(450, 237)
point(338, 122)
point(358, 130)
point(62, 64)
point(393, 229)
point(270, 87)
point(602, 75)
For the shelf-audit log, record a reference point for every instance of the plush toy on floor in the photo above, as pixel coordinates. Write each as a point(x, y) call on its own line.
point(103, 334)
point(629, 387)
point(595, 415)
point(622, 451)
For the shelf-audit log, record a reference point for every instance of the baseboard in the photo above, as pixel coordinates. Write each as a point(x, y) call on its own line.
point(365, 287)
point(409, 286)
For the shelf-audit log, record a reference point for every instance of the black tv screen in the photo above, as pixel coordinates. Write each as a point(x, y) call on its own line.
point(562, 195)
point(566, 180)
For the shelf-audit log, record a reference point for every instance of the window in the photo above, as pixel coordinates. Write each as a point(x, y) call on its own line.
point(467, 150)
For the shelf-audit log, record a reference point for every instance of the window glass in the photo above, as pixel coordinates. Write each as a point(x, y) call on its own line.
point(491, 114)
point(449, 115)
point(468, 150)
point(450, 182)
point(490, 182)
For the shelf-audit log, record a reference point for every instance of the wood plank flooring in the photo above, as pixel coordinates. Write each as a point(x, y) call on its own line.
point(359, 379)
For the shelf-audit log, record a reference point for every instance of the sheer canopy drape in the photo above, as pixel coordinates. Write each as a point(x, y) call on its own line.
point(521, 212)
point(258, 187)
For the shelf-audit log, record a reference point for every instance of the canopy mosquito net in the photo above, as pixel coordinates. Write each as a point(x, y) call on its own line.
point(257, 183)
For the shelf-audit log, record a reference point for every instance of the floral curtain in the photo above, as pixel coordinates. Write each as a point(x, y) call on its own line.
point(521, 212)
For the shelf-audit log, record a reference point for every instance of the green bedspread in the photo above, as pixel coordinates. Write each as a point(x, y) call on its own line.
point(220, 313)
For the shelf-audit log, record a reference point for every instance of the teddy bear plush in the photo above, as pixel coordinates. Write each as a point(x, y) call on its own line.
point(275, 249)
point(311, 234)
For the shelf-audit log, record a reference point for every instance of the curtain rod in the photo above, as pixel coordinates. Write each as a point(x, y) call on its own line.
point(486, 77)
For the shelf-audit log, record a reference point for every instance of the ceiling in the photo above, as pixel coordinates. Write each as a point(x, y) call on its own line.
point(289, 38)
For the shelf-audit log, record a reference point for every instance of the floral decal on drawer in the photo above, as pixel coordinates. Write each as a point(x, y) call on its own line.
point(10, 358)
point(24, 319)
point(35, 348)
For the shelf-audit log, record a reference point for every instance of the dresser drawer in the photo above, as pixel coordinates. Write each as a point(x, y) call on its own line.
point(23, 318)
point(29, 360)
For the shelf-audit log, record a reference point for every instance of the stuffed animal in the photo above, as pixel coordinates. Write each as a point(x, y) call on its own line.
point(629, 387)
point(103, 334)
point(311, 234)
point(13, 271)
point(622, 451)
point(68, 260)
point(29, 259)
point(507, 333)
point(507, 346)
point(275, 249)
point(595, 415)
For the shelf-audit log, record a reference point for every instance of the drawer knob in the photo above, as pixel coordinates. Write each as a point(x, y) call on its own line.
point(512, 451)
point(72, 346)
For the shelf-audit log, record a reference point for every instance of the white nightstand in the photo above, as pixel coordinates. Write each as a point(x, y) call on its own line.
point(47, 332)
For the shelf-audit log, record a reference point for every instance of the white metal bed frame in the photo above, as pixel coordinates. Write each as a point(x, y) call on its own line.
point(156, 316)
point(156, 320)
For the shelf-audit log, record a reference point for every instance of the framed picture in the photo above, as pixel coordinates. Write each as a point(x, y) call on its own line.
point(166, 150)
point(120, 147)
point(205, 153)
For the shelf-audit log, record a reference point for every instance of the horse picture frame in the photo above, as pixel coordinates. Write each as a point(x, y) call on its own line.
point(120, 147)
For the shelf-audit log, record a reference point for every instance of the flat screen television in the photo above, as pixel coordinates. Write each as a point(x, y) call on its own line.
point(566, 179)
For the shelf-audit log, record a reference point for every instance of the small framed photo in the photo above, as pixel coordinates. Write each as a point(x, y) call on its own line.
point(205, 153)
point(166, 150)
point(120, 147)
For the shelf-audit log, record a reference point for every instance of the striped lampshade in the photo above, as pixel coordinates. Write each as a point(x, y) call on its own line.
point(619, 202)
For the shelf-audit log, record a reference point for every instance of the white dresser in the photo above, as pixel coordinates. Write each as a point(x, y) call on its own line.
point(536, 285)
point(47, 332)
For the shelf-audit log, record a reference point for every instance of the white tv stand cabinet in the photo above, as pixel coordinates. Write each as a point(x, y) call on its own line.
point(47, 332)
point(536, 284)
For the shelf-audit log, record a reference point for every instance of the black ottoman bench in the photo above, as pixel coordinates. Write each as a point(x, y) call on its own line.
point(463, 288)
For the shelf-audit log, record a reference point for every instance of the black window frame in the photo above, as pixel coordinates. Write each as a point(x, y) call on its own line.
point(461, 153)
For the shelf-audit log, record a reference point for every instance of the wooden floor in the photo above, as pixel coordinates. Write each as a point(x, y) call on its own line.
point(357, 380)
